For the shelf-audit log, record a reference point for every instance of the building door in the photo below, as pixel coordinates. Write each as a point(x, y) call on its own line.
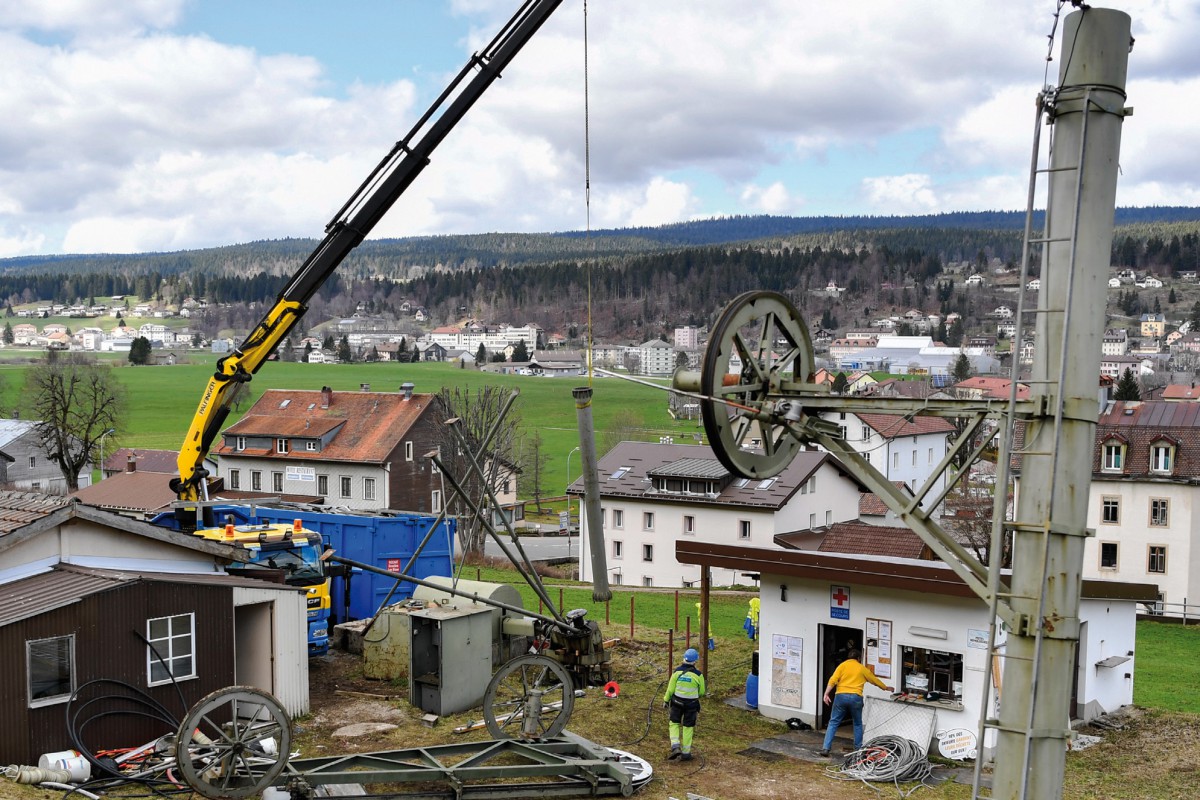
point(836, 641)
point(254, 646)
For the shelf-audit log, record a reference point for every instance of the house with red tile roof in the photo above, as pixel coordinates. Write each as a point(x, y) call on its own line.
point(1144, 500)
point(654, 494)
point(906, 449)
point(359, 450)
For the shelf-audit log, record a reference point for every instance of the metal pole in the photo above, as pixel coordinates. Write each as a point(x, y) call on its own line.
point(705, 586)
point(1051, 516)
point(591, 493)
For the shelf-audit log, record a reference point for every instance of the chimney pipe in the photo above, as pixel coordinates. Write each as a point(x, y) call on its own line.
point(366, 387)
point(407, 388)
point(326, 397)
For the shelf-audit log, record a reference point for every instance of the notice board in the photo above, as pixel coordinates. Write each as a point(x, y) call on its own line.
point(787, 659)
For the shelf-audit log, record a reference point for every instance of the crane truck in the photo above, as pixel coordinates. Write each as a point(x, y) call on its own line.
point(356, 218)
point(297, 552)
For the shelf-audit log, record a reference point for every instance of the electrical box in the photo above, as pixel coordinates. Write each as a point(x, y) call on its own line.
point(450, 658)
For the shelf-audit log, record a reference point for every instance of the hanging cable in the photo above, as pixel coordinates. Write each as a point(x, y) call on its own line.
point(587, 189)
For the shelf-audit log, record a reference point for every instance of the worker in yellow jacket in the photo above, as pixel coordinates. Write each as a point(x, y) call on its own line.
point(684, 691)
point(845, 694)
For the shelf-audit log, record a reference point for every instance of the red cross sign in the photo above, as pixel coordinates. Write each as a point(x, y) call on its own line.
point(839, 602)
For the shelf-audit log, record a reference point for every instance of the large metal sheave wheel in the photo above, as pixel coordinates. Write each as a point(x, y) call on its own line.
point(758, 355)
point(530, 697)
point(233, 743)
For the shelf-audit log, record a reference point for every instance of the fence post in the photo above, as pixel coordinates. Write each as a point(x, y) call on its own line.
point(689, 630)
point(561, 607)
point(606, 618)
point(631, 617)
point(670, 650)
point(1185, 611)
point(478, 574)
point(539, 605)
point(676, 608)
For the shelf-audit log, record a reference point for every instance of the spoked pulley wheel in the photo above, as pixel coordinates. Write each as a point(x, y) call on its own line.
point(233, 743)
point(759, 356)
point(530, 697)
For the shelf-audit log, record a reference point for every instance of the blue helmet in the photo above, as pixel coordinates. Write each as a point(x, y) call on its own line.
point(690, 656)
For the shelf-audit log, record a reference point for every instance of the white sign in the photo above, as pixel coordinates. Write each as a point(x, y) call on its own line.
point(957, 743)
point(305, 474)
point(977, 638)
point(564, 520)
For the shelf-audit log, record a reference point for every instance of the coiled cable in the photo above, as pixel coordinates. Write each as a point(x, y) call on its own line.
point(885, 758)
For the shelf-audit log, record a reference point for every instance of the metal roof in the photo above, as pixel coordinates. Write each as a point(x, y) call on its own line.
point(690, 468)
point(13, 428)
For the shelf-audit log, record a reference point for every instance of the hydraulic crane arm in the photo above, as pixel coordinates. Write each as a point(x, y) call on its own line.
point(390, 178)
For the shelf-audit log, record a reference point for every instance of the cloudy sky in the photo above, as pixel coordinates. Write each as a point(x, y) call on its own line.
point(152, 125)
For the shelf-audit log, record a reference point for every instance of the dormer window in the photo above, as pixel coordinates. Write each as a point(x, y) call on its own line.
point(239, 443)
point(1114, 456)
point(1162, 457)
point(281, 445)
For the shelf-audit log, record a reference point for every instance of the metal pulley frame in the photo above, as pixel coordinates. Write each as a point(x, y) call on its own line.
point(235, 742)
point(760, 407)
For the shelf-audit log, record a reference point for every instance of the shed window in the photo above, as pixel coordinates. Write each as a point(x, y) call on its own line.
point(932, 671)
point(51, 669)
point(172, 648)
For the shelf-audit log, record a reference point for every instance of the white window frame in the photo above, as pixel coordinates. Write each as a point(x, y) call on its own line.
point(648, 552)
point(1156, 559)
point(235, 479)
point(255, 480)
point(1162, 519)
point(743, 530)
point(167, 646)
point(1106, 502)
point(408, 451)
point(345, 486)
point(281, 445)
point(239, 443)
point(1162, 458)
point(276, 481)
point(36, 702)
point(689, 525)
point(368, 488)
point(1113, 457)
point(647, 520)
point(618, 519)
point(435, 501)
point(311, 445)
point(618, 549)
point(323, 485)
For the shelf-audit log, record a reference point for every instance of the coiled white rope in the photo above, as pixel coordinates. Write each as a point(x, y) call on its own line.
point(32, 775)
point(885, 758)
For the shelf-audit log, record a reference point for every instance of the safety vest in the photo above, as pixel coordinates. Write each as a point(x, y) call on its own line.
point(686, 684)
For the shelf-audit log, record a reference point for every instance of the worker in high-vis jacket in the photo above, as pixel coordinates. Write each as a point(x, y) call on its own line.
point(684, 691)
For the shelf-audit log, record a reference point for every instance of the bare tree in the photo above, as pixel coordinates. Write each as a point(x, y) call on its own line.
point(477, 414)
point(968, 517)
point(533, 464)
point(76, 401)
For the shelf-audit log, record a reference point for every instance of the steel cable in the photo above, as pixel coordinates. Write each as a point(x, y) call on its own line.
point(893, 759)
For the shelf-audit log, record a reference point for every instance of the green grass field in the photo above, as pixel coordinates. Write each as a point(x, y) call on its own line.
point(1167, 667)
point(162, 399)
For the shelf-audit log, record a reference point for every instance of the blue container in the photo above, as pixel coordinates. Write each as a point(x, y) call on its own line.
point(752, 690)
point(387, 542)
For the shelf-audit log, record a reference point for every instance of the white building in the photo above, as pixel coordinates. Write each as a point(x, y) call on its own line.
point(653, 494)
point(922, 628)
point(905, 450)
point(1143, 501)
point(657, 357)
point(687, 337)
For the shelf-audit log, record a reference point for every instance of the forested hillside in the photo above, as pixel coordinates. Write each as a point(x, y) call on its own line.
point(639, 281)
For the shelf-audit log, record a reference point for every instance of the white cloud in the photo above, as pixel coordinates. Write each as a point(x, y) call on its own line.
point(900, 194)
point(773, 199)
point(128, 135)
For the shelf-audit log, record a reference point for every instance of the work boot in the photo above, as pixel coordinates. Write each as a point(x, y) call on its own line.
point(685, 756)
point(675, 752)
point(822, 752)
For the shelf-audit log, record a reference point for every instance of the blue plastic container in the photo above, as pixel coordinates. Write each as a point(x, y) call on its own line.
point(752, 690)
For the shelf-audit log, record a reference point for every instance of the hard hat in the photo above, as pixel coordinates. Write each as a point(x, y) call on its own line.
point(690, 656)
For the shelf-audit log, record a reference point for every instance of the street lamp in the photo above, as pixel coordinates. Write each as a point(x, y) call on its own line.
point(573, 450)
point(106, 433)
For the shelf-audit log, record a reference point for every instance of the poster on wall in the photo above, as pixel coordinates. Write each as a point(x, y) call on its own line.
point(839, 602)
point(878, 653)
point(787, 659)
